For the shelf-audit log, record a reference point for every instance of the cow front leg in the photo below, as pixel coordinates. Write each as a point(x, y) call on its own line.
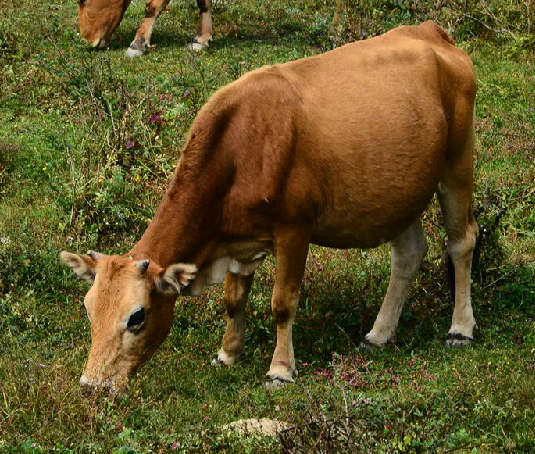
point(408, 251)
point(290, 253)
point(236, 295)
point(204, 31)
point(153, 8)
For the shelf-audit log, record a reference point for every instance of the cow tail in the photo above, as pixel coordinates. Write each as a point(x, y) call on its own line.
point(475, 261)
point(451, 278)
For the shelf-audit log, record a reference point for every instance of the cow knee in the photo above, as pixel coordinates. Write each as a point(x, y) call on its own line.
point(282, 312)
point(284, 306)
point(203, 5)
point(462, 248)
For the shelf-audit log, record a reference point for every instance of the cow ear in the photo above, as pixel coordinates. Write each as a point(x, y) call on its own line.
point(82, 265)
point(175, 277)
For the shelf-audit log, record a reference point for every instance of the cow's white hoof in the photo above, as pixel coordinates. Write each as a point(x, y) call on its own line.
point(133, 53)
point(224, 359)
point(275, 381)
point(458, 340)
point(367, 346)
point(197, 46)
point(279, 375)
point(220, 361)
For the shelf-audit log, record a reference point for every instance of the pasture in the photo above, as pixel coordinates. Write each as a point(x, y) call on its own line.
point(88, 143)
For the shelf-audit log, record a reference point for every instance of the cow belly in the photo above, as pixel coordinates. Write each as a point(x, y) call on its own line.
point(364, 214)
point(364, 230)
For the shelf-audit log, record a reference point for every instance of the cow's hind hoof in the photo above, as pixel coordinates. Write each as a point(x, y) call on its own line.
point(367, 346)
point(458, 340)
point(276, 381)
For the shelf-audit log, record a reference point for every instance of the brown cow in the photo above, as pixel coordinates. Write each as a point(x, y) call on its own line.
point(343, 150)
point(98, 19)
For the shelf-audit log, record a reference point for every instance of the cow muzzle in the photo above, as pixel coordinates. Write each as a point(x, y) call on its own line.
point(99, 43)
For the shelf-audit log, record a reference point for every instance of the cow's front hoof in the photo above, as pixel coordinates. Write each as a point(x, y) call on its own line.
point(197, 47)
point(133, 52)
point(280, 374)
point(458, 340)
point(199, 43)
point(217, 361)
point(276, 381)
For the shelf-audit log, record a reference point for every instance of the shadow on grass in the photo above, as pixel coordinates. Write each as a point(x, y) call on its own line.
point(335, 314)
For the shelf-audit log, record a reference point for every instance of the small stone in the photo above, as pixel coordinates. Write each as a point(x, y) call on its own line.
point(253, 426)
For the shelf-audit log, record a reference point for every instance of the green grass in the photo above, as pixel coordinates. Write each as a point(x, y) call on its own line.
point(83, 163)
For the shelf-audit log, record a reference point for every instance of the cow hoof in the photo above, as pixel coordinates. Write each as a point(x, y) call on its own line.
point(217, 361)
point(224, 359)
point(200, 43)
point(133, 53)
point(276, 381)
point(368, 346)
point(196, 46)
point(458, 340)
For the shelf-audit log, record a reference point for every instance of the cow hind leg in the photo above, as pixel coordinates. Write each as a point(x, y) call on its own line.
point(153, 8)
point(291, 249)
point(204, 32)
point(236, 295)
point(408, 251)
point(455, 196)
point(462, 231)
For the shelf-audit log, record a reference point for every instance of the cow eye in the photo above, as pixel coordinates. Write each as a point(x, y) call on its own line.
point(136, 320)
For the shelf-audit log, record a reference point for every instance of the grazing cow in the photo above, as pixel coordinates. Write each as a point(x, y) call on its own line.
point(344, 150)
point(98, 19)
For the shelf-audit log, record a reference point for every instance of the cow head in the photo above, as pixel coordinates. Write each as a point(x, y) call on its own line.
point(98, 19)
point(130, 305)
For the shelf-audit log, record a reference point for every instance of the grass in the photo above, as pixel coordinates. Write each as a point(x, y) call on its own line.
point(88, 142)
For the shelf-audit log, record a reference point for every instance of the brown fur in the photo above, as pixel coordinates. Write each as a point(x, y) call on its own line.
point(345, 149)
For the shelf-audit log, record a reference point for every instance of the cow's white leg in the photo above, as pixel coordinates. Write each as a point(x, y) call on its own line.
point(463, 322)
point(291, 249)
point(236, 294)
point(153, 8)
point(455, 196)
point(462, 231)
point(408, 250)
point(204, 32)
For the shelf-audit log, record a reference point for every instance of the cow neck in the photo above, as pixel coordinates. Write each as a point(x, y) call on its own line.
point(174, 235)
point(187, 224)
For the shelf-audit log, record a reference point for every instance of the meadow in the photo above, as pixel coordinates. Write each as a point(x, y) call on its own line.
point(88, 143)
